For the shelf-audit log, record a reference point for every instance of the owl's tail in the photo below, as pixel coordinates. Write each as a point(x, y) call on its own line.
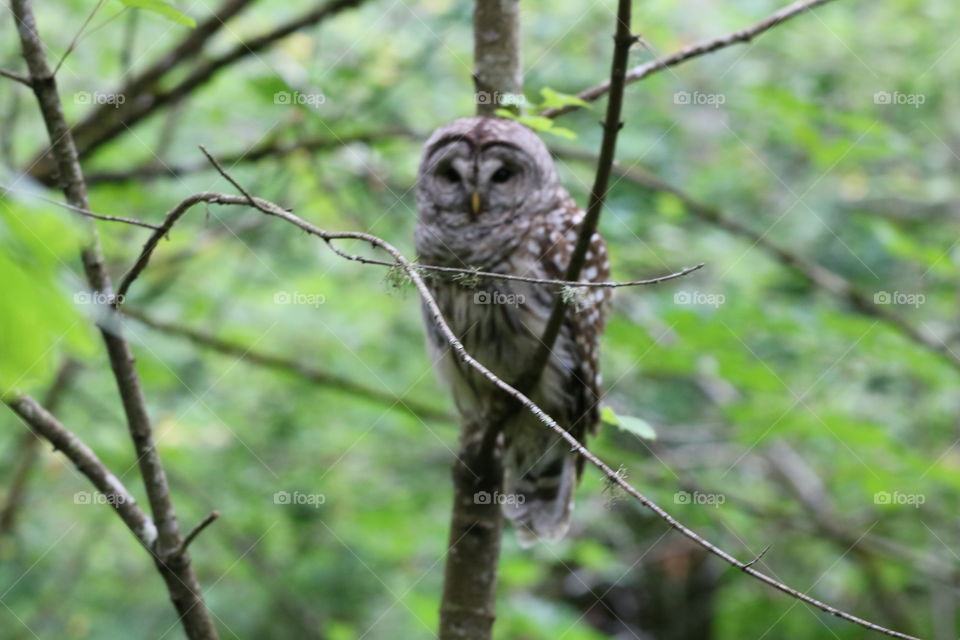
point(539, 493)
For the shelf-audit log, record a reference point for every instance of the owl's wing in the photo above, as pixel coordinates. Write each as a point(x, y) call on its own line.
point(586, 315)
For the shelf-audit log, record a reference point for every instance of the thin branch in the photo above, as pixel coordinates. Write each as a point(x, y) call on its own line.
point(87, 462)
point(471, 273)
point(623, 39)
point(758, 558)
point(13, 75)
point(289, 365)
point(227, 176)
point(197, 530)
point(817, 275)
point(707, 46)
point(76, 38)
point(84, 212)
point(26, 451)
point(151, 244)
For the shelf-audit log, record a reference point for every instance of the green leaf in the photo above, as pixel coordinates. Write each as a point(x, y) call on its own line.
point(637, 426)
point(164, 9)
point(538, 123)
point(556, 100)
point(37, 320)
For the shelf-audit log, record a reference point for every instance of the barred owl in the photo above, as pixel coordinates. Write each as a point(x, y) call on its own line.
point(489, 198)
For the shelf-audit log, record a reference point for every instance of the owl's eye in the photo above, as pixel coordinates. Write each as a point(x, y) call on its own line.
point(450, 174)
point(501, 175)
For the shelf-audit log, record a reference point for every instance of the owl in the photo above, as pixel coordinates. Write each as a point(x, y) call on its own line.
point(489, 198)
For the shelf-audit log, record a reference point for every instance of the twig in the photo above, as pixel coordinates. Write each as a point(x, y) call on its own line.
point(545, 281)
point(73, 42)
point(87, 462)
point(758, 558)
point(13, 75)
point(302, 369)
point(26, 452)
point(197, 530)
point(228, 177)
point(693, 51)
point(83, 212)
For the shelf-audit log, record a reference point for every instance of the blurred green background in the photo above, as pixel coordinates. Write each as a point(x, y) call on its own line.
point(787, 416)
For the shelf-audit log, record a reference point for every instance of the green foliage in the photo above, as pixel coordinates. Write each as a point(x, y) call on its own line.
point(727, 363)
point(38, 322)
point(550, 99)
point(630, 424)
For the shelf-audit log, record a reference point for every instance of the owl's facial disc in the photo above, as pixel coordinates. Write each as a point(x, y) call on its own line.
point(475, 183)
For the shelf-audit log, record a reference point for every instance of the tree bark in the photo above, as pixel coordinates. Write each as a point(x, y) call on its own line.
point(498, 75)
point(468, 606)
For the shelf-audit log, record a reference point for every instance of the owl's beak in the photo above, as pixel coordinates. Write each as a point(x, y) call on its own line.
point(475, 203)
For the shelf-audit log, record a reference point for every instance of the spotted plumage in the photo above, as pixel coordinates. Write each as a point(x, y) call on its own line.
point(489, 198)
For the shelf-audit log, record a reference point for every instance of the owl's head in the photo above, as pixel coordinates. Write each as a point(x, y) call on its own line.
point(483, 175)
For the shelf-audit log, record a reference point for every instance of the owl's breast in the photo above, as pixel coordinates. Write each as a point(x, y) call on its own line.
point(499, 322)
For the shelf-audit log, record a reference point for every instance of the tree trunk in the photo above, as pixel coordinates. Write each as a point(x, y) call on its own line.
point(467, 610)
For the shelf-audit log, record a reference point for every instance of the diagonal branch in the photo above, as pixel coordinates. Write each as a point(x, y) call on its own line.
point(623, 39)
point(25, 456)
point(16, 77)
point(87, 462)
point(707, 46)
